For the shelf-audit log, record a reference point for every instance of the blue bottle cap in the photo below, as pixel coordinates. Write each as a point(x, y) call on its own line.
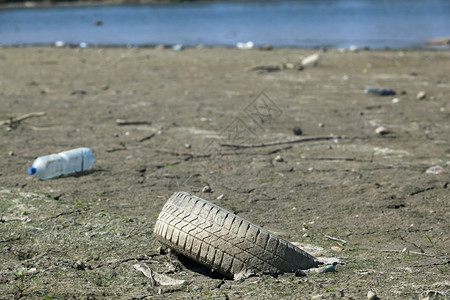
point(31, 170)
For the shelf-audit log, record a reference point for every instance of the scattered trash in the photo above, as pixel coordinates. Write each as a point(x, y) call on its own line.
point(157, 279)
point(435, 170)
point(178, 47)
point(59, 44)
point(371, 295)
point(395, 100)
point(223, 253)
point(382, 130)
point(353, 48)
point(379, 91)
point(67, 162)
point(206, 189)
point(248, 45)
point(421, 95)
point(297, 130)
point(311, 60)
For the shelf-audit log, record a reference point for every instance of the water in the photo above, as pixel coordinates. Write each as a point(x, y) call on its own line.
point(307, 23)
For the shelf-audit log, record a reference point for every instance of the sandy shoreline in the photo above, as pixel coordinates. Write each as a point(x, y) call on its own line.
point(81, 235)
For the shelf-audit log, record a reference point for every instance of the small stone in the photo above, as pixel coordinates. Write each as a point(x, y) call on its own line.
point(381, 130)
point(395, 100)
point(337, 249)
point(278, 158)
point(320, 125)
point(187, 146)
point(206, 189)
point(221, 197)
point(421, 95)
point(197, 288)
point(371, 295)
point(79, 266)
point(405, 250)
point(297, 130)
point(306, 235)
point(289, 66)
point(10, 153)
point(267, 47)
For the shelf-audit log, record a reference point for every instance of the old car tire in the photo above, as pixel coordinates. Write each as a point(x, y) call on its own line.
point(223, 241)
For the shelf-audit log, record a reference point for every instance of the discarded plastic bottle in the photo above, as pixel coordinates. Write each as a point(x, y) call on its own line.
point(67, 162)
point(379, 91)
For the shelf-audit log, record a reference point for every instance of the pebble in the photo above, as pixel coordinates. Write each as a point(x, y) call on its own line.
point(297, 130)
point(278, 158)
point(196, 288)
point(381, 130)
point(421, 95)
point(395, 100)
point(320, 125)
point(337, 249)
point(267, 47)
point(221, 197)
point(10, 153)
point(187, 146)
point(371, 295)
point(206, 189)
point(80, 265)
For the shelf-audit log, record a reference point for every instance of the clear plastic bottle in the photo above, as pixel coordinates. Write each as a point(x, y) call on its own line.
point(54, 165)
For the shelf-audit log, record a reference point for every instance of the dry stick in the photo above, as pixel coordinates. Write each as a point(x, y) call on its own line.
point(23, 117)
point(409, 252)
point(126, 123)
point(335, 239)
point(301, 140)
point(147, 138)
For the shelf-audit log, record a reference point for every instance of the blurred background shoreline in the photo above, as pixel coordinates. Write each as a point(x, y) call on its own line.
point(288, 24)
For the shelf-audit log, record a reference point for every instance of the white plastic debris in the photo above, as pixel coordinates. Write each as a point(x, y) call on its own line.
point(311, 60)
point(248, 45)
point(435, 170)
point(156, 278)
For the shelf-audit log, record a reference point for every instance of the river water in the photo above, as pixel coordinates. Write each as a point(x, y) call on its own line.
point(304, 23)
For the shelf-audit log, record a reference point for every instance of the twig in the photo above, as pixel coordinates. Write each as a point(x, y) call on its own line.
point(335, 239)
point(406, 251)
point(147, 138)
point(126, 123)
point(301, 140)
point(12, 121)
